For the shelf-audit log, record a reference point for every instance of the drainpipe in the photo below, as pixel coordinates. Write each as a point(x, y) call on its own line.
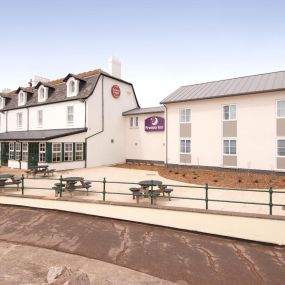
point(102, 127)
point(166, 136)
point(6, 113)
point(28, 119)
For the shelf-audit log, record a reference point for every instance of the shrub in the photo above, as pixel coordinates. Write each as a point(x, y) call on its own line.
point(255, 181)
point(176, 172)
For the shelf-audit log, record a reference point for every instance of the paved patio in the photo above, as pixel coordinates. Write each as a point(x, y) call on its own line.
point(130, 175)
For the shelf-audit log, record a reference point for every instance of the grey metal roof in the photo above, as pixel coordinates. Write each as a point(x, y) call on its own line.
point(39, 135)
point(266, 82)
point(140, 111)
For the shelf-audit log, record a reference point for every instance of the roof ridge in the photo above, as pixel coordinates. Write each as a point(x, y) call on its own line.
point(238, 77)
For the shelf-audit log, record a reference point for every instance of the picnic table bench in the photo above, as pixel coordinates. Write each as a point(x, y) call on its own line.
point(39, 169)
point(13, 180)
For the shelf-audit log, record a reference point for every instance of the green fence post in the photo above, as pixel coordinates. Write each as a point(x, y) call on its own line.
point(270, 200)
point(22, 186)
point(60, 191)
point(151, 193)
point(104, 188)
point(206, 195)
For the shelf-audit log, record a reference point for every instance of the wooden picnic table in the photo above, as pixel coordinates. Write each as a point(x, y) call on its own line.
point(12, 178)
point(70, 183)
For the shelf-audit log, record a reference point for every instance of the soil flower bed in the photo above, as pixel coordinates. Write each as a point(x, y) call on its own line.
point(219, 178)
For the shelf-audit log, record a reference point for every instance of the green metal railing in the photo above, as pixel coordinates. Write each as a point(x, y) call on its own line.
point(206, 188)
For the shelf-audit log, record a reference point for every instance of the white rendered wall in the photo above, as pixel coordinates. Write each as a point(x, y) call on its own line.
point(12, 120)
point(100, 149)
point(66, 165)
point(142, 145)
point(256, 130)
point(3, 122)
point(55, 116)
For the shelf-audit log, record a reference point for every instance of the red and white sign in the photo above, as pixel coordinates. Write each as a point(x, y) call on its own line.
point(116, 91)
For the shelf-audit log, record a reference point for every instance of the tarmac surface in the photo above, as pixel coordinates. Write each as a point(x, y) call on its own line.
point(177, 256)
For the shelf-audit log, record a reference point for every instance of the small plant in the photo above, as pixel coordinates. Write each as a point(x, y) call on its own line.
point(255, 181)
point(239, 180)
point(215, 180)
point(195, 177)
point(184, 174)
point(176, 172)
point(169, 170)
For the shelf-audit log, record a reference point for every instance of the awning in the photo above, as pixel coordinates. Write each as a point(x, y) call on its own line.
point(39, 135)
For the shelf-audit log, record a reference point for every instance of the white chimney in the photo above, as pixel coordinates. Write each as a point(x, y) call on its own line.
point(114, 67)
point(36, 79)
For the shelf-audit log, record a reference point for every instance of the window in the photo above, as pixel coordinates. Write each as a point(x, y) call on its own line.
point(18, 151)
point(281, 109)
point(11, 151)
point(40, 118)
point(230, 112)
point(137, 122)
point(230, 147)
point(19, 120)
point(22, 96)
point(281, 147)
point(42, 152)
point(70, 115)
point(131, 122)
point(68, 151)
point(2, 102)
point(0, 120)
point(56, 152)
point(25, 152)
point(72, 87)
point(42, 94)
point(79, 151)
point(185, 146)
point(185, 115)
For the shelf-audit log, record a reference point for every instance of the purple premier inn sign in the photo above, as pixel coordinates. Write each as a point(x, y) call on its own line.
point(154, 124)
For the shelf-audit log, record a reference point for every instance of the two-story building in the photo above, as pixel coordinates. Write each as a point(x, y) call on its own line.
point(69, 123)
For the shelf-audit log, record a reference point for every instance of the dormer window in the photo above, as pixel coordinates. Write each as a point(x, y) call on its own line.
point(72, 87)
point(42, 94)
point(2, 102)
point(22, 98)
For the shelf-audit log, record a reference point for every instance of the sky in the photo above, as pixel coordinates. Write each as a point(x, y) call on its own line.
point(161, 44)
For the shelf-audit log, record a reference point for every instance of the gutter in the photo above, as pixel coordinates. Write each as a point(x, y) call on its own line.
point(103, 123)
point(166, 136)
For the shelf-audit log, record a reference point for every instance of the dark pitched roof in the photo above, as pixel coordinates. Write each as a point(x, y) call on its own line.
point(56, 94)
point(140, 111)
point(39, 135)
point(229, 87)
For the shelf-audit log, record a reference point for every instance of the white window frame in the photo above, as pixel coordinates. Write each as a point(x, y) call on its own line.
point(42, 152)
point(79, 152)
point(68, 154)
point(230, 112)
point(22, 98)
point(25, 151)
point(277, 116)
point(75, 92)
point(70, 122)
point(277, 147)
point(40, 118)
point(229, 139)
point(42, 93)
point(18, 151)
point(57, 152)
point(11, 151)
point(19, 119)
point(183, 117)
point(185, 146)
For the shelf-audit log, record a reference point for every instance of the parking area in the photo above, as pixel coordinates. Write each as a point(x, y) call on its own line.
point(113, 174)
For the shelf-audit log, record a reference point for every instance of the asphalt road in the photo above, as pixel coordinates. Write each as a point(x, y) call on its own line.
point(177, 256)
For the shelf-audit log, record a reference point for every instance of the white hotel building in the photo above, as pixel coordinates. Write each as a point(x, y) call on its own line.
point(94, 118)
